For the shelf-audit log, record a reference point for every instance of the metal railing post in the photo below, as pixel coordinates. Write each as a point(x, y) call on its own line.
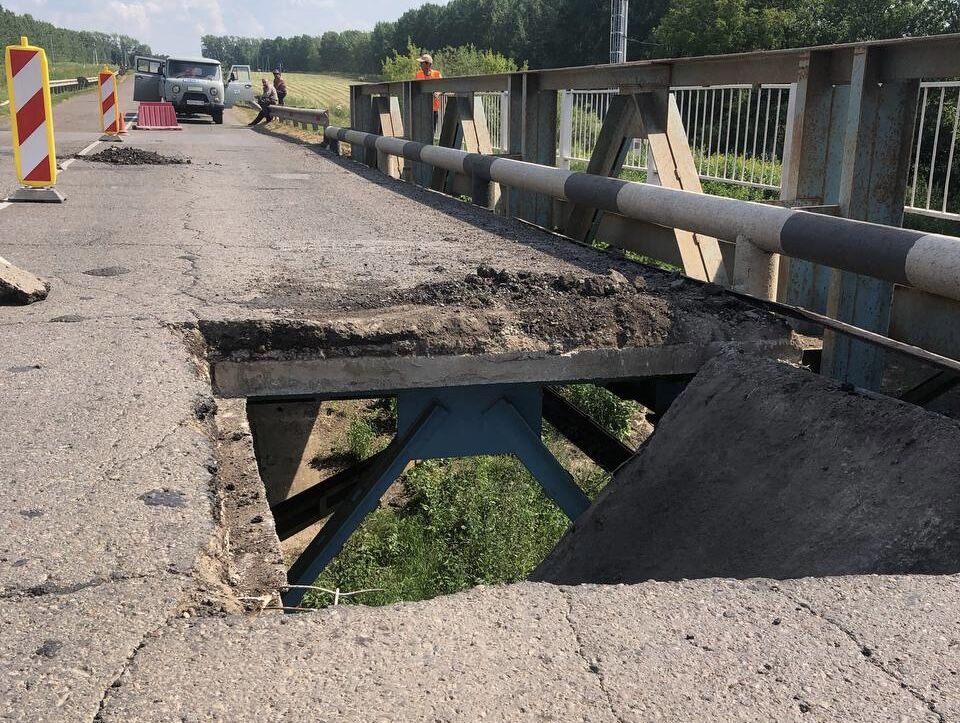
point(566, 128)
point(505, 121)
point(876, 163)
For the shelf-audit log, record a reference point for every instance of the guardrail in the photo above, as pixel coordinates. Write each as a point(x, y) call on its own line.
point(64, 86)
point(738, 135)
point(860, 130)
point(316, 118)
point(68, 86)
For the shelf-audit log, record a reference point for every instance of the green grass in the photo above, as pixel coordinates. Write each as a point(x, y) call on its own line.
point(330, 91)
point(466, 522)
point(462, 522)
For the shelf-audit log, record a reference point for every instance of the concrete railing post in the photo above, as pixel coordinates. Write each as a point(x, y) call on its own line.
point(361, 118)
point(484, 194)
point(755, 270)
point(873, 181)
point(421, 130)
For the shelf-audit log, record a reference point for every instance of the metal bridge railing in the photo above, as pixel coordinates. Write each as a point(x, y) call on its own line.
point(317, 118)
point(496, 109)
point(935, 173)
point(738, 134)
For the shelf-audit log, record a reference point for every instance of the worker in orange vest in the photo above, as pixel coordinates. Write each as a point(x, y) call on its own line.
point(426, 72)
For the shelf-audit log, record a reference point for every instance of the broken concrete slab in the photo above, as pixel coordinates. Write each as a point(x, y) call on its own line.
point(494, 327)
point(692, 651)
point(906, 626)
point(761, 469)
point(59, 653)
point(496, 653)
point(256, 564)
point(20, 287)
point(711, 650)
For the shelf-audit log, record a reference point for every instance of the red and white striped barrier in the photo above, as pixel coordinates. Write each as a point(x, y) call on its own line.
point(31, 117)
point(111, 117)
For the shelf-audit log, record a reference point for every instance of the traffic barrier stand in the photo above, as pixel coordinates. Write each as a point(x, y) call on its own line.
point(31, 122)
point(111, 117)
point(157, 116)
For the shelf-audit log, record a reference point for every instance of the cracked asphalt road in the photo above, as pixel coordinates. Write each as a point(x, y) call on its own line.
point(111, 517)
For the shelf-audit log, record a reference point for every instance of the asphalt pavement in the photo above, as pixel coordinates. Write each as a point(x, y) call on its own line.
point(115, 563)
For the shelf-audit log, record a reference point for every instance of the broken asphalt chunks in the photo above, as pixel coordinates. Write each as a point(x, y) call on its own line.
point(19, 287)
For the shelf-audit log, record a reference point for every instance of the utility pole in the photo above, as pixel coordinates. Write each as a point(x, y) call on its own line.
point(618, 31)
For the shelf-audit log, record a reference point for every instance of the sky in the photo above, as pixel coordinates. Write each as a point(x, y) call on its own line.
point(174, 27)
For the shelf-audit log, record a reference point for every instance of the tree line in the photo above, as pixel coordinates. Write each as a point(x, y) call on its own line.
point(558, 33)
point(63, 45)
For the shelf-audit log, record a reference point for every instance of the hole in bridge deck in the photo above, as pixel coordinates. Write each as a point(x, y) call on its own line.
point(445, 524)
point(468, 361)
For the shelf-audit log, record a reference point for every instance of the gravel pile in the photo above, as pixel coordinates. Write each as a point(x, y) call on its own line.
point(128, 156)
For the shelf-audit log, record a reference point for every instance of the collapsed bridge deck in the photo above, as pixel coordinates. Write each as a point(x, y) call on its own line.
point(122, 525)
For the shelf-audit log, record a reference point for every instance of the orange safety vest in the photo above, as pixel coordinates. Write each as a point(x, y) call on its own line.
point(433, 74)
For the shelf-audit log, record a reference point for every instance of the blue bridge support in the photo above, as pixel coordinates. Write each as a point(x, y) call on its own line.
point(438, 423)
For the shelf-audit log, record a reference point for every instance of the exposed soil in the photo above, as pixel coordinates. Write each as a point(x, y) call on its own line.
point(496, 310)
point(761, 469)
point(129, 156)
point(249, 555)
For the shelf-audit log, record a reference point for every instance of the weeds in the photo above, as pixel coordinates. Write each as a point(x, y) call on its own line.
point(360, 438)
point(465, 522)
point(482, 520)
point(606, 408)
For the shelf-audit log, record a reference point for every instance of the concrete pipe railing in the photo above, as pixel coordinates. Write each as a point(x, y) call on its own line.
point(929, 262)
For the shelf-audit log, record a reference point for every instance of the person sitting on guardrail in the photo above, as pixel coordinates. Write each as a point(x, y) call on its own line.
point(281, 85)
point(267, 98)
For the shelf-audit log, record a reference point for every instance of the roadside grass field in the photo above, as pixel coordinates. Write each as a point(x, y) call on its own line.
point(58, 71)
point(330, 91)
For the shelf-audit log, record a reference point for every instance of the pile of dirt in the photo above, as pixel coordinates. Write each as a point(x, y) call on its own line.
point(761, 469)
point(579, 310)
point(129, 156)
point(489, 286)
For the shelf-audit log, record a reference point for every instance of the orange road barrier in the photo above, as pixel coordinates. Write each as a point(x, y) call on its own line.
point(31, 121)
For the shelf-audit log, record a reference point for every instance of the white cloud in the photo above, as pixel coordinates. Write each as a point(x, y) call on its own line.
point(175, 26)
point(138, 17)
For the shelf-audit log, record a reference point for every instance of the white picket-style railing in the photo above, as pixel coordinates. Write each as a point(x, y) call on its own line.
point(738, 135)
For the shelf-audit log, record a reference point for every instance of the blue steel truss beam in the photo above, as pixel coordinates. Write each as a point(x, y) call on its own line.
point(438, 423)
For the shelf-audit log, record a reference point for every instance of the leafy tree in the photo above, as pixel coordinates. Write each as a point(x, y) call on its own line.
point(707, 27)
point(401, 67)
point(464, 60)
point(557, 33)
